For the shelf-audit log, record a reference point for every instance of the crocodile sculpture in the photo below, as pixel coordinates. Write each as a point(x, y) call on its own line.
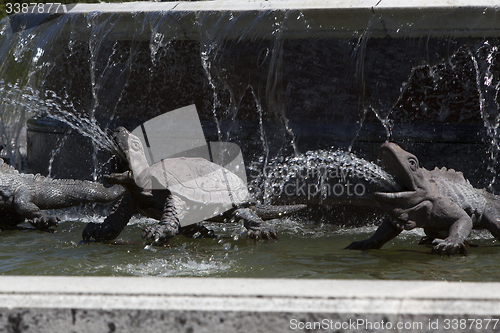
point(441, 201)
point(181, 185)
point(25, 196)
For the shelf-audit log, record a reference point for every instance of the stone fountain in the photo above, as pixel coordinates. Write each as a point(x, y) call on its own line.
point(276, 78)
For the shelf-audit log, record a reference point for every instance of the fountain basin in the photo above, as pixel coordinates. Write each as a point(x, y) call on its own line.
point(237, 283)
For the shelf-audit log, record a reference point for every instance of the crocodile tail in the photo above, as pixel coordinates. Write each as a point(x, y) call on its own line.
point(268, 212)
point(115, 192)
point(66, 195)
point(89, 192)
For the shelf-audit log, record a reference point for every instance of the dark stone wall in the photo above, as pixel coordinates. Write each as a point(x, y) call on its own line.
point(276, 95)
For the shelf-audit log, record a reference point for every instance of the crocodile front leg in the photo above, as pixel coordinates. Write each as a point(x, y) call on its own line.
point(385, 232)
point(437, 213)
point(460, 226)
point(431, 235)
point(24, 206)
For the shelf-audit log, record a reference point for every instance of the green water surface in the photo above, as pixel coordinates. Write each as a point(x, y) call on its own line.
point(304, 250)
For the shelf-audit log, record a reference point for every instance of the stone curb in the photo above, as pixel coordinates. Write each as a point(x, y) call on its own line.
point(148, 304)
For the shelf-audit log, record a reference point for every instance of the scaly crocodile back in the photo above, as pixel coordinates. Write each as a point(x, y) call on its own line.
point(451, 175)
point(452, 184)
point(49, 193)
point(38, 178)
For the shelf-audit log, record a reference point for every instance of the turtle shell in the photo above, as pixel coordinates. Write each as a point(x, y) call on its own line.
point(201, 181)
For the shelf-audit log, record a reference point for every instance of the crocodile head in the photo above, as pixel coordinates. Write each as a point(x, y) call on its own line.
point(404, 167)
point(400, 164)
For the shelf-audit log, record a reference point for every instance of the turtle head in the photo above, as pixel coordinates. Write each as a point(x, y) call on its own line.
point(131, 146)
point(120, 137)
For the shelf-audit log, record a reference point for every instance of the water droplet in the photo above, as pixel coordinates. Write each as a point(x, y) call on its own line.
point(39, 53)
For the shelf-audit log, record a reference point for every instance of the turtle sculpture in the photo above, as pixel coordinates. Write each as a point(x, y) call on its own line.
point(179, 192)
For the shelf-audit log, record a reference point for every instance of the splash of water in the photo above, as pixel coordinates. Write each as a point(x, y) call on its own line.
point(488, 84)
point(359, 54)
point(262, 134)
point(26, 102)
point(274, 86)
point(58, 108)
point(216, 103)
point(177, 266)
point(320, 169)
point(260, 83)
point(13, 98)
point(54, 153)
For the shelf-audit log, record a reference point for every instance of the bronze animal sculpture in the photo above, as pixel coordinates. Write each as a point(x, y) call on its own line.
point(25, 196)
point(441, 201)
point(170, 189)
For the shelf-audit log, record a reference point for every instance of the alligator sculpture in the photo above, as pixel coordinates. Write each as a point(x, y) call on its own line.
point(181, 185)
point(441, 201)
point(25, 196)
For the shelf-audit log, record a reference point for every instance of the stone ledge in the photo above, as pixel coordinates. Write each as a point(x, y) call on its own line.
point(78, 304)
point(319, 19)
point(242, 5)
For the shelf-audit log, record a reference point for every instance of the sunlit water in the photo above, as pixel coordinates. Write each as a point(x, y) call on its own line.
point(304, 250)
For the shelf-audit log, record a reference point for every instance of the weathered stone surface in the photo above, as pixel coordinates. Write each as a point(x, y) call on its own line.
point(118, 304)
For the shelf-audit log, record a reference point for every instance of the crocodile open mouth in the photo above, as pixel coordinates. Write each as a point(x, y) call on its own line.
point(394, 161)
